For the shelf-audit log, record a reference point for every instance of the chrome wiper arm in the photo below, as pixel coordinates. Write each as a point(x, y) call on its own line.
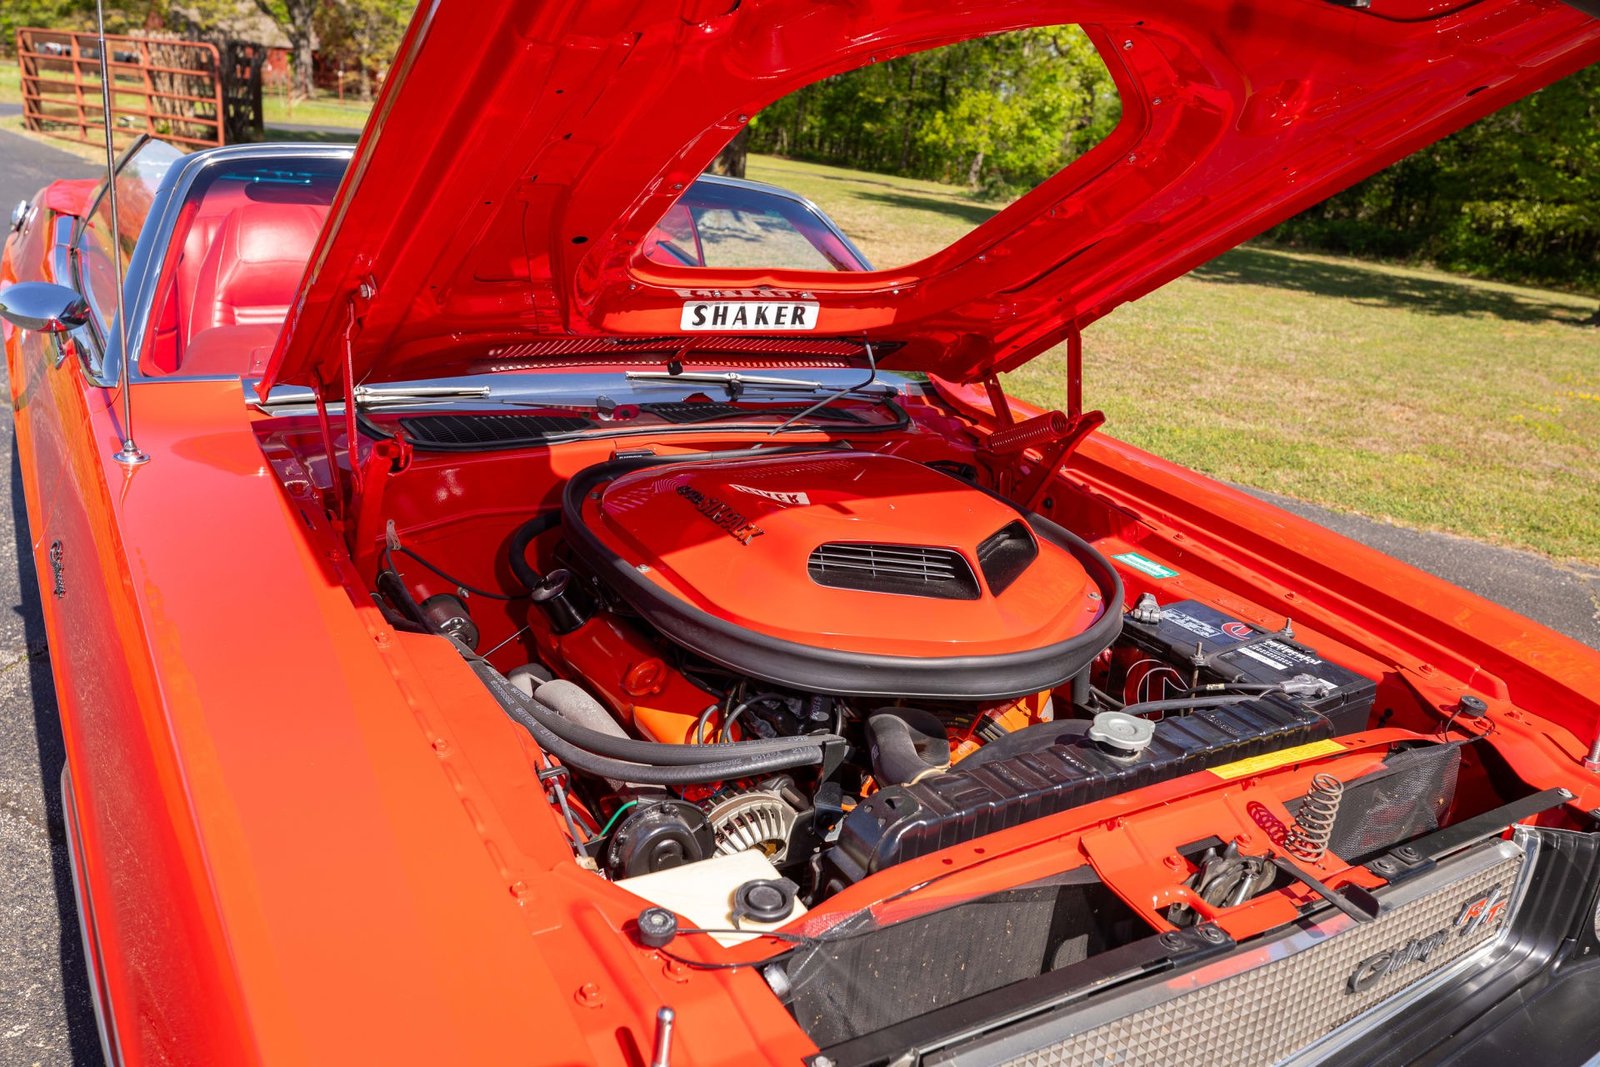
point(732, 381)
point(378, 395)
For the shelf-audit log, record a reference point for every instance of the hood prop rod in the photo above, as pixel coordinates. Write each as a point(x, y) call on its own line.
point(352, 432)
point(347, 489)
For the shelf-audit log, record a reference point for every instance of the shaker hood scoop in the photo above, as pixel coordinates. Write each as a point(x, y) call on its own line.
point(519, 155)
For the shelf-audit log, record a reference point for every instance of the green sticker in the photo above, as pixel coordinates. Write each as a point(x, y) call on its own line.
point(1149, 566)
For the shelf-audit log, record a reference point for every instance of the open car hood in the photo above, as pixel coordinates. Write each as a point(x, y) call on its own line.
point(519, 155)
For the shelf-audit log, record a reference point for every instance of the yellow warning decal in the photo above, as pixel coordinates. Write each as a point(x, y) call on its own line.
point(1257, 764)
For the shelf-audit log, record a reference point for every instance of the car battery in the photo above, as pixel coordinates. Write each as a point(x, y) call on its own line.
point(1232, 651)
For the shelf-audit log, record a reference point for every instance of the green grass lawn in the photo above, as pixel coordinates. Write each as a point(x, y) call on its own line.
point(276, 110)
point(1408, 395)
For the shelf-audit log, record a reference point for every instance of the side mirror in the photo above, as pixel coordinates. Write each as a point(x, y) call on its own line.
point(43, 307)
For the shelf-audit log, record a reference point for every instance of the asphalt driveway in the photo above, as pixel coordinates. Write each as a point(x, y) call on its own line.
point(45, 1017)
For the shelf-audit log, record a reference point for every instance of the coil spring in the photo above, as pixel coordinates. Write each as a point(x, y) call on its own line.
point(1313, 827)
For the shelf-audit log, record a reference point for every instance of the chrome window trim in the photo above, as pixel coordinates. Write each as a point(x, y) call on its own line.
point(793, 197)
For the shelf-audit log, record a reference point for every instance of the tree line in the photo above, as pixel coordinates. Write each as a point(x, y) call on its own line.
point(998, 115)
point(1515, 196)
point(359, 36)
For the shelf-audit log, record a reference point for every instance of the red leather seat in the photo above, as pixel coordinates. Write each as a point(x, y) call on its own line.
point(250, 273)
point(229, 350)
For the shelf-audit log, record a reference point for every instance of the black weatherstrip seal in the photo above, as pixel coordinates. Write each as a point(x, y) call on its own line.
point(812, 668)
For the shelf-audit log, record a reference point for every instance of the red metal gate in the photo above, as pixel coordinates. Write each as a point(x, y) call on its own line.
point(169, 89)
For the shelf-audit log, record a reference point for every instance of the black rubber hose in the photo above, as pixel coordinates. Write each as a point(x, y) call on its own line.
point(733, 716)
point(661, 753)
point(391, 585)
point(522, 540)
point(713, 763)
point(572, 756)
point(908, 744)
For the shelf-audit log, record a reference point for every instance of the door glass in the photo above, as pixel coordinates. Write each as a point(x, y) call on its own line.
point(138, 177)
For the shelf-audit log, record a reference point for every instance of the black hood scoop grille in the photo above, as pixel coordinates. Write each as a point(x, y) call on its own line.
point(909, 570)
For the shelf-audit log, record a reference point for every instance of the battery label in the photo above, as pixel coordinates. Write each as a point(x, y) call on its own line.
point(1145, 564)
point(1198, 627)
point(1279, 656)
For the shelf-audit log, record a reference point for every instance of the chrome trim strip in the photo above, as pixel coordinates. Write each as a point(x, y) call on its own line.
point(105, 1022)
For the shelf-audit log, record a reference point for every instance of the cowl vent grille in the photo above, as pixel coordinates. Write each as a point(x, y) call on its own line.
point(487, 431)
point(685, 412)
point(909, 570)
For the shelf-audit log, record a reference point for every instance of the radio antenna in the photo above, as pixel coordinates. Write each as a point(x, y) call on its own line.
point(129, 454)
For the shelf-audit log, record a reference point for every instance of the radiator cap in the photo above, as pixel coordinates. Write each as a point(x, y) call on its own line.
point(1120, 734)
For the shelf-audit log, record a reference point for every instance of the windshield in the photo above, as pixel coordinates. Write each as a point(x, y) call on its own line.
point(249, 226)
point(722, 222)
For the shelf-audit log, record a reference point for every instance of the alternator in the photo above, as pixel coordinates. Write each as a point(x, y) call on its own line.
point(755, 819)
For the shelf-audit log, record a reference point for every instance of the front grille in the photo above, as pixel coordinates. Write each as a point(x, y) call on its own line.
point(476, 431)
point(1227, 1015)
point(909, 570)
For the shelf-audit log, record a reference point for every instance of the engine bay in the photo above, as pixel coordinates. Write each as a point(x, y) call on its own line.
point(759, 675)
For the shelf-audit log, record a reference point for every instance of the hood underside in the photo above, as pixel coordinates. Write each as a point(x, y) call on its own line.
point(520, 154)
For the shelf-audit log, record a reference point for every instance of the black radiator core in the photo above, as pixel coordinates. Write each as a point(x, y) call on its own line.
point(905, 821)
point(862, 977)
point(1405, 798)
